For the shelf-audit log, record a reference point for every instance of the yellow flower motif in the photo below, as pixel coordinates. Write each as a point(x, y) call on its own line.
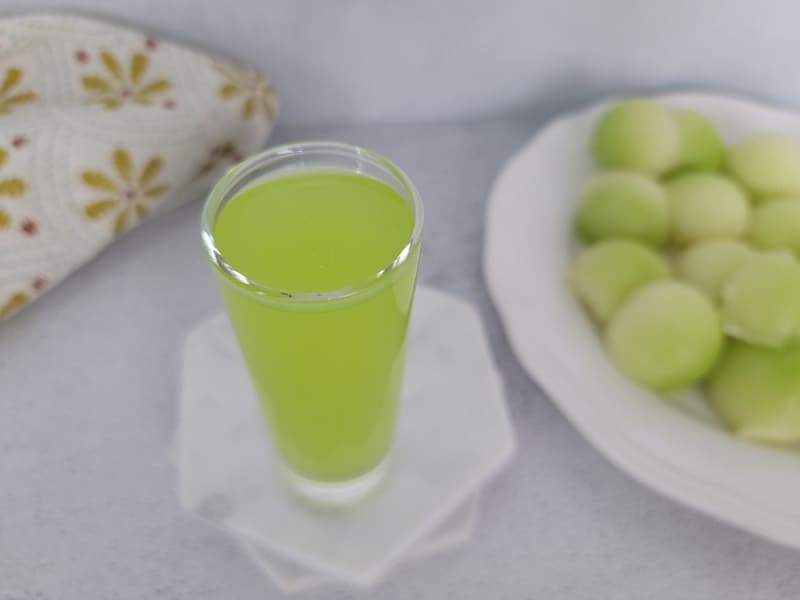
point(127, 195)
point(10, 187)
point(257, 94)
point(120, 86)
point(13, 304)
point(11, 98)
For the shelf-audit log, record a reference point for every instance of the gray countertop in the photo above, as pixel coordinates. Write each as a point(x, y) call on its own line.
point(88, 382)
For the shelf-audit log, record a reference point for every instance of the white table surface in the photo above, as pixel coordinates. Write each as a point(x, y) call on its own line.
point(88, 381)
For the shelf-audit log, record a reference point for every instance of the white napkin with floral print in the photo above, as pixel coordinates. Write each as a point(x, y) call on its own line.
point(100, 128)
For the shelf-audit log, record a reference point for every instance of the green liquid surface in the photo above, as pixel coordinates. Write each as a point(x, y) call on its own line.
point(328, 373)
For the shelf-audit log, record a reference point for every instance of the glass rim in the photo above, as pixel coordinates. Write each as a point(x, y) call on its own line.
point(238, 172)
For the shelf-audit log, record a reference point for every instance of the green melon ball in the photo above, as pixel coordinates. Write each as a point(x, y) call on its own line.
point(707, 265)
point(605, 275)
point(706, 206)
point(666, 336)
point(701, 146)
point(636, 134)
point(761, 300)
point(623, 205)
point(767, 164)
point(776, 225)
point(756, 392)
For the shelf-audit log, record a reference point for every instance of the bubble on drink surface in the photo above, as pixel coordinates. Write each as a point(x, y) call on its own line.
point(666, 336)
point(606, 274)
point(756, 392)
point(708, 264)
point(700, 144)
point(623, 205)
point(636, 134)
point(761, 300)
point(706, 206)
point(776, 225)
point(766, 164)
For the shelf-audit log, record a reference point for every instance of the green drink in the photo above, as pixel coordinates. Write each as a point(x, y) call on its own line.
point(317, 266)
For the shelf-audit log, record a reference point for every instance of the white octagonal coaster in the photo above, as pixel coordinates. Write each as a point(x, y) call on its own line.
point(291, 578)
point(453, 435)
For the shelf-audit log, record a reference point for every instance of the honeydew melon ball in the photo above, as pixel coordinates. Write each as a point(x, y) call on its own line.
point(756, 392)
point(701, 146)
point(636, 134)
point(666, 336)
point(776, 225)
point(761, 300)
point(604, 275)
point(767, 164)
point(706, 206)
point(708, 264)
point(623, 205)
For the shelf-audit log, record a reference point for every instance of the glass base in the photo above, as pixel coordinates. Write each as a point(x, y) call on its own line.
point(338, 493)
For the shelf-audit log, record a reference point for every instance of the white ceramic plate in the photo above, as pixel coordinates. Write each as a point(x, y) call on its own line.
point(670, 444)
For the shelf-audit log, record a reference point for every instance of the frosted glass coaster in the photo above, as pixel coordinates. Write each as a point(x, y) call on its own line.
point(453, 435)
point(291, 577)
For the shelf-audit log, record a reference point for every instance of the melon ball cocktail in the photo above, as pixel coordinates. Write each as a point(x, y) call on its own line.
point(315, 249)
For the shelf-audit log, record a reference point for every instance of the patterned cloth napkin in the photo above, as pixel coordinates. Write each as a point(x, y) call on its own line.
point(102, 127)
